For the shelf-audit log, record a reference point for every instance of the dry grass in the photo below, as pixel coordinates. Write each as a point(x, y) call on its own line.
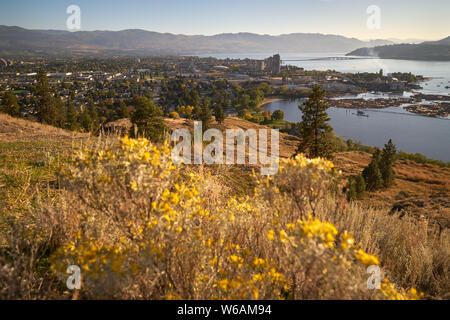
point(14, 129)
point(48, 223)
point(423, 188)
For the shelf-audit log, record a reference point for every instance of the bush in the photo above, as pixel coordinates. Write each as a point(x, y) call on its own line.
point(143, 228)
point(372, 174)
point(356, 187)
point(278, 115)
point(174, 115)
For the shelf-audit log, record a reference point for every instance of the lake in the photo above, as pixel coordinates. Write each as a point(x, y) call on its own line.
point(411, 133)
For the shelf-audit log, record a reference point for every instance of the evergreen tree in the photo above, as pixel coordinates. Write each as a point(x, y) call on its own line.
point(93, 114)
point(314, 128)
point(360, 185)
point(147, 118)
point(372, 174)
point(356, 187)
point(205, 114)
point(85, 120)
point(220, 116)
point(71, 116)
point(350, 189)
point(47, 112)
point(387, 160)
point(122, 111)
point(60, 112)
point(10, 104)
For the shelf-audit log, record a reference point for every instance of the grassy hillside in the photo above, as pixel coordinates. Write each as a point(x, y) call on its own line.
point(153, 231)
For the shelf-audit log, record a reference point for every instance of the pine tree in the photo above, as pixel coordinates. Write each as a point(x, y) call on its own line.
point(372, 174)
point(314, 128)
point(350, 189)
point(47, 112)
point(85, 120)
point(60, 112)
point(147, 118)
point(71, 116)
point(220, 116)
point(360, 185)
point(356, 187)
point(11, 105)
point(93, 114)
point(205, 114)
point(387, 160)
point(122, 111)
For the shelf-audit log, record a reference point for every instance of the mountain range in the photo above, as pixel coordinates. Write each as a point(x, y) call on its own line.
point(15, 40)
point(429, 50)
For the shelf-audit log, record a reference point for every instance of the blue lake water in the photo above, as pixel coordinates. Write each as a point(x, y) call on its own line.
point(411, 133)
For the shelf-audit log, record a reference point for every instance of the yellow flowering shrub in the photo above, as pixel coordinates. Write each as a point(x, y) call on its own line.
point(145, 229)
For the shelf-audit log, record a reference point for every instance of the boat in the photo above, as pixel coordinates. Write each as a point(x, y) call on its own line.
point(361, 113)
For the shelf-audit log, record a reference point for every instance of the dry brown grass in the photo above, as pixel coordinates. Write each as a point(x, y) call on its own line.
point(411, 252)
point(14, 129)
point(426, 187)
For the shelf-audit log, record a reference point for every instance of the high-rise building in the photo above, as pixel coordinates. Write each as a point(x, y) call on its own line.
point(260, 65)
point(276, 64)
point(273, 64)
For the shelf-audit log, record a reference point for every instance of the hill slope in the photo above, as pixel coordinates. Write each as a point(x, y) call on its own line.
point(421, 189)
point(13, 130)
point(431, 50)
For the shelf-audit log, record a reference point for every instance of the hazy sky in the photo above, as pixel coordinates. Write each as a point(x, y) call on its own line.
point(424, 19)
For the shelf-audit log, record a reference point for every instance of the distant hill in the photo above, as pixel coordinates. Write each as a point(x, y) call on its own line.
point(430, 50)
point(16, 39)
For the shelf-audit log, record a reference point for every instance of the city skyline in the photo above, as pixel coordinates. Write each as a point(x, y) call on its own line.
point(421, 20)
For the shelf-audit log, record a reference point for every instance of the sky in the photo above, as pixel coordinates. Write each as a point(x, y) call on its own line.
point(403, 19)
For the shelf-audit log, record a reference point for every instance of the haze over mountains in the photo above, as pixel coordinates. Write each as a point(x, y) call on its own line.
point(16, 39)
point(429, 50)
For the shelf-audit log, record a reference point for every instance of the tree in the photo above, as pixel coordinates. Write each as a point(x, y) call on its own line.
point(386, 162)
point(71, 116)
point(350, 189)
point(122, 111)
point(47, 112)
point(147, 118)
point(356, 187)
point(60, 112)
point(205, 114)
point(314, 129)
point(93, 114)
point(372, 174)
point(278, 115)
point(85, 120)
point(360, 184)
point(220, 116)
point(11, 105)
